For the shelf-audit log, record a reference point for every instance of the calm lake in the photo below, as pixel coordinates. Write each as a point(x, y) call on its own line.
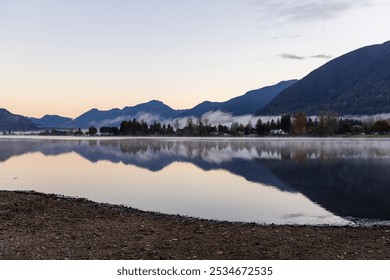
point(264, 180)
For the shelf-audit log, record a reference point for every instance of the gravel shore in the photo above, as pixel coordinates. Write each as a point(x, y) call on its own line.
point(45, 226)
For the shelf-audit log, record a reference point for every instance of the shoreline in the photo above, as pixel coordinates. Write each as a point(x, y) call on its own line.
point(202, 138)
point(48, 226)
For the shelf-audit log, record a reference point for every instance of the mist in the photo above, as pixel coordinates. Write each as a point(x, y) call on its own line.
point(212, 118)
point(215, 118)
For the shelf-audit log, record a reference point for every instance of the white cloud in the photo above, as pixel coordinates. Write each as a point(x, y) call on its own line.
point(218, 117)
point(298, 57)
point(214, 118)
point(304, 10)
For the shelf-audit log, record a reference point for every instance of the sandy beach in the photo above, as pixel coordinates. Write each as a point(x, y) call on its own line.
point(48, 226)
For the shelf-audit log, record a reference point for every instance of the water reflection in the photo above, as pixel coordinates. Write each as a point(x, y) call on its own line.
point(349, 178)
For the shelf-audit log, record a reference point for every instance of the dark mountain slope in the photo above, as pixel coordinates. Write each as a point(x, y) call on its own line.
point(97, 117)
point(241, 105)
point(51, 121)
point(94, 116)
point(9, 121)
point(355, 83)
point(154, 107)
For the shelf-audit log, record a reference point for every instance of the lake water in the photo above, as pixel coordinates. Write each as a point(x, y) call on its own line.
point(263, 180)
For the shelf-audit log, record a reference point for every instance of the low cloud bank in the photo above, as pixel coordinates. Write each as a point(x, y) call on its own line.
point(142, 116)
point(214, 118)
point(363, 118)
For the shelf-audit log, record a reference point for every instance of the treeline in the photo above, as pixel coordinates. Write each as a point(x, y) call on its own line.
point(193, 127)
point(299, 124)
point(329, 124)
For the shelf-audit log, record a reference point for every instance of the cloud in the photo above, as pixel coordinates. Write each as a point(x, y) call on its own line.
point(292, 56)
point(110, 122)
point(369, 118)
point(219, 117)
point(214, 118)
point(285, 36)
point(141, 117)
point(287, 11)
point(324, 56)
point(298, 57)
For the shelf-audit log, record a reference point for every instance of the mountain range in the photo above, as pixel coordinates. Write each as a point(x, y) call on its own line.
point(357, 83)
point(241, 105)
point(51, 121)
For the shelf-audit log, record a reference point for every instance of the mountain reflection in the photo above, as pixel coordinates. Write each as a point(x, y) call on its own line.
point(349, 178)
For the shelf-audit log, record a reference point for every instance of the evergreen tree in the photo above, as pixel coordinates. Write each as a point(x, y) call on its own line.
point(92, 131)
point(285, 123)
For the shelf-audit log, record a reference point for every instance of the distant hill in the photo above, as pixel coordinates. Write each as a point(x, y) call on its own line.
point(51, 121)
point(154, 107)
point(356, 83)
point(11, 122)
point(241, 105)
point(112, 117)
point(94, 117)
point(115, 116)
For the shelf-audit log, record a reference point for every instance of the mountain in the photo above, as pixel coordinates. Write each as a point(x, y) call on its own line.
point(153, 107)
point(51, 121)
point(11, 122)
point(356, 83)
point(115, 116)
point(241, 105)
point(156, 110)
point(94, 117)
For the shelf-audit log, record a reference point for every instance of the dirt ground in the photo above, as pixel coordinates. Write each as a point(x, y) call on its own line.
point(41, 226)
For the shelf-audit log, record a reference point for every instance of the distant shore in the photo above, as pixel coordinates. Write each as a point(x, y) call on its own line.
point(158, 137)
point(47, 226)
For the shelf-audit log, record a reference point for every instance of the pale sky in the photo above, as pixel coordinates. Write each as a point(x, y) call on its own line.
point(68, 56)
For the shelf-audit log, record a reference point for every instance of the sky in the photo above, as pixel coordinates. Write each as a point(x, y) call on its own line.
point(65, 57)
